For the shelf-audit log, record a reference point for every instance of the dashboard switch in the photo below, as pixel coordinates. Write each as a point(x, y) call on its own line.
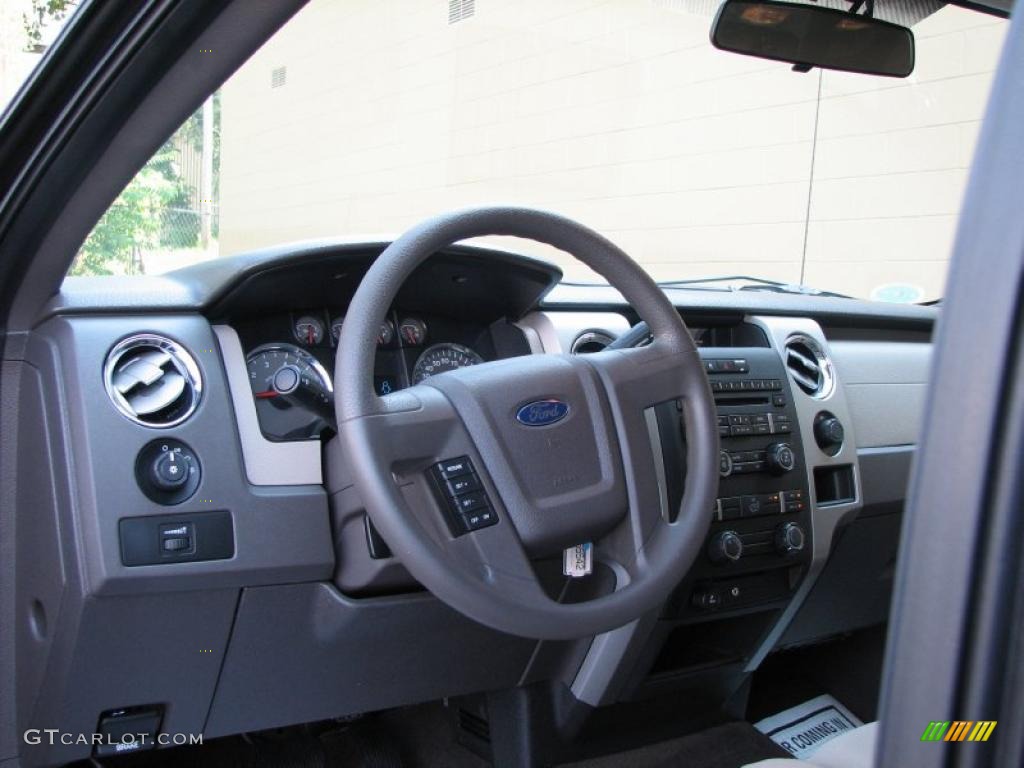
point(177, 544)
point(829, 433)
point(725, 547)
point(780, 458)
point(789, 539)
point(132, 729)
point(167, 471)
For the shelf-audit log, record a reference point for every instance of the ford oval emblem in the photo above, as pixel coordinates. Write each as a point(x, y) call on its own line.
point(540, 413)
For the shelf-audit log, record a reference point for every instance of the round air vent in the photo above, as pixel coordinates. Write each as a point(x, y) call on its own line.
point(809, 367)
point(152, 380)
point(591, 341)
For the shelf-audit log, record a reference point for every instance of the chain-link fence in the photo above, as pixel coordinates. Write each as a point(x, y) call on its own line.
point(184, 227)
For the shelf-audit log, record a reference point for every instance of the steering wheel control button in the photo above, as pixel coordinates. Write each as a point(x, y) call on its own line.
point(470, 502)
point(455, 467)
point(167, 471)
point(462, 495)
point(463, 484)
point(480, 519)
point(725, 547)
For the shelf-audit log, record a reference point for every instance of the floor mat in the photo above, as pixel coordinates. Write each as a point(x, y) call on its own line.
point(725, 746)
point(803, 729)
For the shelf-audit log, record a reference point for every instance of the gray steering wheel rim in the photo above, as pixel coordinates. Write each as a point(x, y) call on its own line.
point(664, 559)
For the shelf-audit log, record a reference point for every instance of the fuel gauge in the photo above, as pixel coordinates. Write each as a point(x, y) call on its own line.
point(308, 330)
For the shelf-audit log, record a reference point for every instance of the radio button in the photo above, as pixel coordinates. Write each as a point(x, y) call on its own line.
point(725, 465)
point(780, 458)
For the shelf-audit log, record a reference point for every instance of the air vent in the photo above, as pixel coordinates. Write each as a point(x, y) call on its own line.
point(809, 367)
point(591, 341)
point(152, 380)
point(278, 77)
point(460, 9)
point(474, 725)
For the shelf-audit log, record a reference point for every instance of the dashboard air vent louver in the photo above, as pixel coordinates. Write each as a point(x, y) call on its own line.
point(809, 367)
point(590, 341)
point(152, 380)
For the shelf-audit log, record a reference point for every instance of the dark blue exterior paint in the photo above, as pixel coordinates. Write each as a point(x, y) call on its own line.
point(541, 413)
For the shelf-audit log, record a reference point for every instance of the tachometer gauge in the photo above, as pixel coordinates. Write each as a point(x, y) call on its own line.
point(413, 331)
point(308, 330)
point(443, 357)
point(386, 334)
point(293, 393)
point(336, 325)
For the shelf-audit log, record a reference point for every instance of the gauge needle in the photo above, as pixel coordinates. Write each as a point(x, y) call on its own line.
point(268, 393)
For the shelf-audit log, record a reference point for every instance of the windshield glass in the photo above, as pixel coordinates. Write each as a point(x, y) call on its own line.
point(361, 119)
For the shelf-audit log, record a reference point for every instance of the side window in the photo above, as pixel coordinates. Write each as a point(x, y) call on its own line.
point(168, 216)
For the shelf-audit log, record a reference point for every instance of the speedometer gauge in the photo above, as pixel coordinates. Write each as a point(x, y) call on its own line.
point(292, 391)
point(443, 357)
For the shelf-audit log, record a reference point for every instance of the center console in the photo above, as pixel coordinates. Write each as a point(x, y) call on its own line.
point(759, 544)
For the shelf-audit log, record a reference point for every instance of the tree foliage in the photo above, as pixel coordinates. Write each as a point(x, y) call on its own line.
point(154, 211)
point(131, 224)
point(42, 13)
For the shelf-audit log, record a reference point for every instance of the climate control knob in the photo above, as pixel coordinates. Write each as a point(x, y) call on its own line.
point(789, 539)
point(725, 547)
point(780, 458)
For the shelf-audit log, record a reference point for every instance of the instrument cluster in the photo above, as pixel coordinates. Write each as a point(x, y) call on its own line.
point(290, 357)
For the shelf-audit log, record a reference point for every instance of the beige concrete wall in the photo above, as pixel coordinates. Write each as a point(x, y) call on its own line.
point(618, 113)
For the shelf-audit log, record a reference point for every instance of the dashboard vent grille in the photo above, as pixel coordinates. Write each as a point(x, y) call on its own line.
point(152, 380)
point(809, 367)
point(590, 341)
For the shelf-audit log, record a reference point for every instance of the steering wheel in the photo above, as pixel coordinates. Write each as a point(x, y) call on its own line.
point(559, 446)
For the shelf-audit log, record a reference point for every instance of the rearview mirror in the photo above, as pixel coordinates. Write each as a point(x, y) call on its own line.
point(812, 36)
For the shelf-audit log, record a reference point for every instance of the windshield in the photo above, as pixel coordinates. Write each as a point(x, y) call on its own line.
point(361, 119)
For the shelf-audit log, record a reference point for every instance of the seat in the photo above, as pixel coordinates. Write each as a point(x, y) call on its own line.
point(855, 749)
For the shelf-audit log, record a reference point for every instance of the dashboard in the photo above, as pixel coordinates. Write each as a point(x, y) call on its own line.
point(272, 566)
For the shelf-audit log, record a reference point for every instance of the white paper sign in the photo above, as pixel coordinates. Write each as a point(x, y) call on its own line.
point(578, 561)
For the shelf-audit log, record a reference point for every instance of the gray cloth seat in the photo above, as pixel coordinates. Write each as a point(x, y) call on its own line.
point(855, 749)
